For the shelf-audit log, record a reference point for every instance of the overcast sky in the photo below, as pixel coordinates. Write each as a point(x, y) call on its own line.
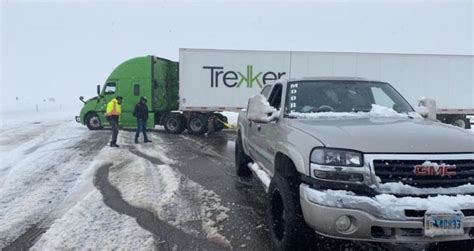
point(63, 50)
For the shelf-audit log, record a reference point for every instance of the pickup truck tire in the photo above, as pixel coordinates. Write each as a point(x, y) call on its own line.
point(93, 122)
point(197, 124)
point(287, 228)
point(241, 159)
point(174, 124)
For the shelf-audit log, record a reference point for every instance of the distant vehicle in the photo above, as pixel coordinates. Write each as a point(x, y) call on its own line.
point(192, 93)
point(349, 158)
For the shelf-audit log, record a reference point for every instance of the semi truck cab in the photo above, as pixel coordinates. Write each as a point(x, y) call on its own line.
point(157, 79)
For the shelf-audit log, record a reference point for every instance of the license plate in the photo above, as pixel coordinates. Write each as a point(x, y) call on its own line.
point(443, 224)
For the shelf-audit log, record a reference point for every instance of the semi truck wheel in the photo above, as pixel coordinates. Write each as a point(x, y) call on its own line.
point(93, 121)
point(197, 124)
point(288, 230)
point(241, 159)
point(174, 124)
point(459, 121)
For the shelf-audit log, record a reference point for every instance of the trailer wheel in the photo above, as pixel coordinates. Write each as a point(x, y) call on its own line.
point(459, 121)
point(93, 122)
point(174, 124)
point(197, 124)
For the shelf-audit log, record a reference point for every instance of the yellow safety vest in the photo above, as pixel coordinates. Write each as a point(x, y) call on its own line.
point(113, 108)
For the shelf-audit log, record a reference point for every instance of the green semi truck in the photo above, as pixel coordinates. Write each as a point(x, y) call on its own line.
point(158, 80)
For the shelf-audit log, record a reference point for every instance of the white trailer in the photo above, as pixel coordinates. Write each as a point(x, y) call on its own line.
point(223, 80)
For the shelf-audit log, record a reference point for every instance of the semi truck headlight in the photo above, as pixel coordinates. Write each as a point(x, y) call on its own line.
point(336, 157)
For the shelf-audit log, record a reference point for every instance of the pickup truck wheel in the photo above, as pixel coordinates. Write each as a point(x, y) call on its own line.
point(197, 124)
point(93, 121)
point(241, 159)
point(288, 230)
point(174, 124)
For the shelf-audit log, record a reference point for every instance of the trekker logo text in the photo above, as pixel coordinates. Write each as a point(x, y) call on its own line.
point(248, 78)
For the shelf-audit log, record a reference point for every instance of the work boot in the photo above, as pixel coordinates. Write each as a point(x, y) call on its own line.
point(114, 144)
point(147, 140)
point(136, 141)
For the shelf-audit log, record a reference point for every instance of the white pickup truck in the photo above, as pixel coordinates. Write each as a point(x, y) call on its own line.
point(350, 158)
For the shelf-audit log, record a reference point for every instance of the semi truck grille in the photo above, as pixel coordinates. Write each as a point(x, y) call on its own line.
point(435, 173)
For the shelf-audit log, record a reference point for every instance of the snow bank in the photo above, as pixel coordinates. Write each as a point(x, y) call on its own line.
point(376, 111)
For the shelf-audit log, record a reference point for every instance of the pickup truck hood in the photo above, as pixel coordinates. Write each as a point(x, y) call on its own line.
point(388, 135)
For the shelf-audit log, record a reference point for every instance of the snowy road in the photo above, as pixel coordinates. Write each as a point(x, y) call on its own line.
point(62, 187)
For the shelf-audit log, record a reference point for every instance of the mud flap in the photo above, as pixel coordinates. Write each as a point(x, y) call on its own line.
point(210, 125)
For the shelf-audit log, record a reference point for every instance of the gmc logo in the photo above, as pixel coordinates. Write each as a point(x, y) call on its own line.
point(435, 170)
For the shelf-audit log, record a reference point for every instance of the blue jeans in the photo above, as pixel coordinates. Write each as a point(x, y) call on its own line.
point(141, 127)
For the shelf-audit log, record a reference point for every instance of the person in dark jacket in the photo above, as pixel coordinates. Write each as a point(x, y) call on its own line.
point(141, 113)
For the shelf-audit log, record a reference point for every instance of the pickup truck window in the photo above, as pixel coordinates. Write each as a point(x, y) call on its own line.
point(342, 96)
point(275, 96)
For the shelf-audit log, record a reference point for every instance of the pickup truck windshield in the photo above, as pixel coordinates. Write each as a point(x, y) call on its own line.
point(342, 96)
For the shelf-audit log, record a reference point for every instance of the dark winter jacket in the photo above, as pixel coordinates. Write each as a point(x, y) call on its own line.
point(141, 111)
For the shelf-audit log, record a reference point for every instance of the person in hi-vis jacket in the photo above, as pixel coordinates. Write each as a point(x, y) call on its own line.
point(113, 114)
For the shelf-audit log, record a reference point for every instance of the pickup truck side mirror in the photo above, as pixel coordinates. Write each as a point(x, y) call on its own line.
point(427, 108)
point(260, 111)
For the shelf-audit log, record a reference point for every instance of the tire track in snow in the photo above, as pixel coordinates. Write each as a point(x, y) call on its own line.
point(148, 220)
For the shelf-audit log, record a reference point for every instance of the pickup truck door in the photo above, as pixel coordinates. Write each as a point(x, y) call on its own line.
point(251, 133)
point(267, 134)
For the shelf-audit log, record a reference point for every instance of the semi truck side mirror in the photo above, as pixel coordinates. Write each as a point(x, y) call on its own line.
point(427, 108)
point(259, 111)
point(81, 98)
point(98, 90)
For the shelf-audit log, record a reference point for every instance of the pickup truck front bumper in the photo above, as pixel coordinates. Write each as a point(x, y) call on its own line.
point(372, 220)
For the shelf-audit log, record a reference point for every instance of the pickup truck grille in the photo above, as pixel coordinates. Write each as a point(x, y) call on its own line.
point(428, 176)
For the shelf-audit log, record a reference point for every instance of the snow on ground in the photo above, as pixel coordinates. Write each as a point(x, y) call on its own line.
point(48, 162)
point(40, 164)
point(166, 192)
point(91, 225)
point(46, 175)
point(156, 186)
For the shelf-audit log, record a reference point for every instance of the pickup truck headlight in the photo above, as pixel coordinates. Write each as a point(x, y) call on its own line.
point(337, 157)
